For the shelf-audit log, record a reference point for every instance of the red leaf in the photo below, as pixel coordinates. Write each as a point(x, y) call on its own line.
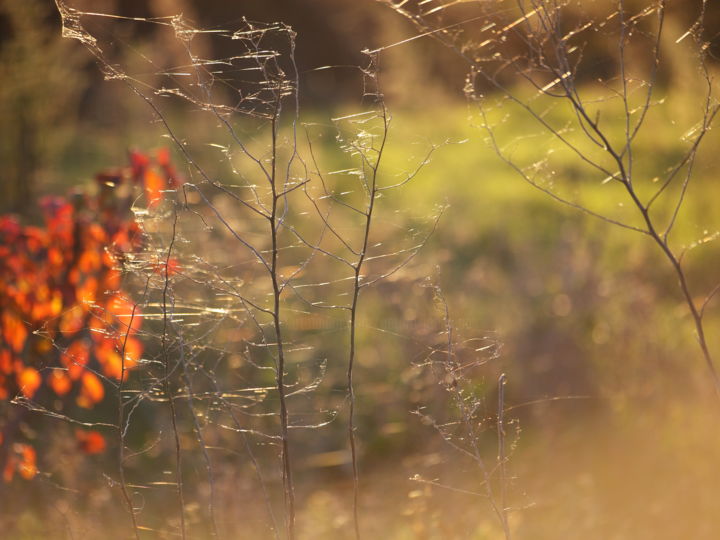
point(13, 331)
point(163, 159)
point(167, 268)
point(60, 382)
point(109, 359)
point(6, 364)
point(29, 381)
point(124, 313)
point(73, 320)
point(75, 357)
point(92, 390)
point(27, 467)
point(154, 184)
point(138, 163)
point(90, 442)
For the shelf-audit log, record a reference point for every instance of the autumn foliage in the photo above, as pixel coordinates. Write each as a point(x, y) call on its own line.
point(67, 327)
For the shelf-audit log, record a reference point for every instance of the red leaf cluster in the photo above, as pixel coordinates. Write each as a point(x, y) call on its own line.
point(65, 321)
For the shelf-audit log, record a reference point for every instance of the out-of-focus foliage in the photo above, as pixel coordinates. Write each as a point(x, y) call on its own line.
point(67, 326)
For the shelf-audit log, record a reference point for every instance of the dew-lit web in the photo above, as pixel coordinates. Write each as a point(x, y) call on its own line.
point(268, 266)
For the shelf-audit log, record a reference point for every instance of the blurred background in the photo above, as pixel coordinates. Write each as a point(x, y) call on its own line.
point(613, 416)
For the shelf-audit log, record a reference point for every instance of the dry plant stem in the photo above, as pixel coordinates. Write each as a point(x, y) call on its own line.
point(351, 395)
point(167, 388)
point(280, 373)
point(121, 468)
point(357, 285)
point(121, 428)
point(470, 423)
point(502, 380)
point(676, 263)
point(369, 168)
point(626, 178)
point(196, 424)
point(253, 459)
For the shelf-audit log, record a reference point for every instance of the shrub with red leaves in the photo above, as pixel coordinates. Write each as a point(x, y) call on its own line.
point(65, 322)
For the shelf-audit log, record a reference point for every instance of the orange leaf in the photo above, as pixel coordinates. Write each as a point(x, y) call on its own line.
point(35, 238)
point(97, 233)
point(59, 382)
point(132, 349)
point(55, 256)
point(167, 268)
point(139, 163)
point(6, 361)
point(13, 331)
point(99, 330)
point(87, 292)
point(29, 381)
point(90, 261)
point(92, 390)
point(56, 304)
point(127, 313)
point(28, 467)
point(162, 156)
point(111, 281)
point(72, 321)
point(90, 442)
point(109, 359)
point(75, 357)
point(154, 184)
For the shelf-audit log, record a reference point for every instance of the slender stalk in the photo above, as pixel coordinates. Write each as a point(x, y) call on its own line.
point(357, 285)
point(121, 433)
point(280, 372)
point(198, 430)
point(501, 454)
point(471, 426)
point(676, 264)
point(167, 388)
